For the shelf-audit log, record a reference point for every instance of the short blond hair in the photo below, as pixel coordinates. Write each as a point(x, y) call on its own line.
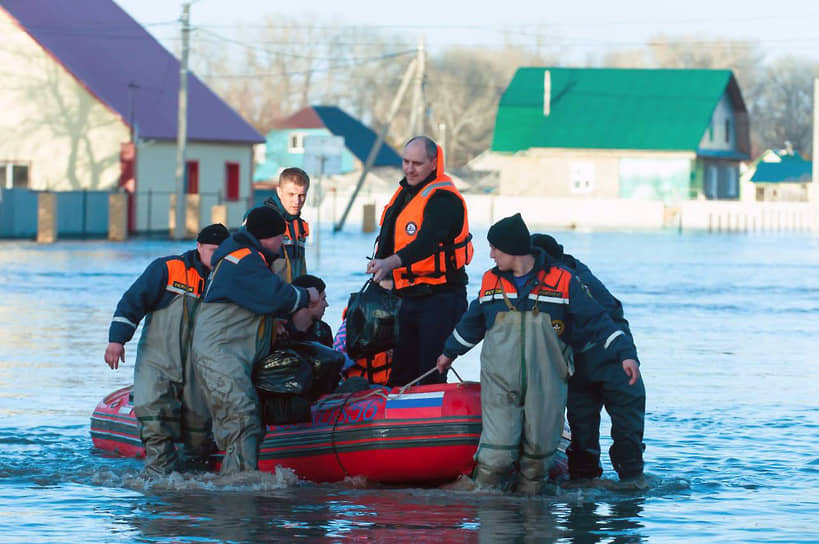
point(295, 175)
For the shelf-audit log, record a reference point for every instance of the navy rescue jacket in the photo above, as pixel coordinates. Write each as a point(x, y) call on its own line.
point(555, 289)
point(598, 291)
point(159, 284)
point(241, 275)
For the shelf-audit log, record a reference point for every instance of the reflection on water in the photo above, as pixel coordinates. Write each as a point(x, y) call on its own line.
point(726, 330)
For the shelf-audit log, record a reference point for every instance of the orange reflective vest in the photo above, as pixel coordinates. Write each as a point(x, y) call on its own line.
point(294, 244)
point(375, 369)
point(553, 287)
point(183, 280)
point(447, 258)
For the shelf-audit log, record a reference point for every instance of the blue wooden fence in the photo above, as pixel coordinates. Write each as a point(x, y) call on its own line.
point(80, 214)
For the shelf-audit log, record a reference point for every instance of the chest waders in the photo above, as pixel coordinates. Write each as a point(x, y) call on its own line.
point(523, 396)
point(227, 342)
point(168, 401)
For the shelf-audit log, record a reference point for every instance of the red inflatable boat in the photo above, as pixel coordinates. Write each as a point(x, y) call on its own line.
point(427, 434)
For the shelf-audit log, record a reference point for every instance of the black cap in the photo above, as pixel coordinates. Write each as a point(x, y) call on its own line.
point(213, 234)
point(548, 244)
point(510, 235)
point(264, 222)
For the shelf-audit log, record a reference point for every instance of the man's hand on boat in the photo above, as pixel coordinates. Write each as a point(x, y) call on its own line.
point(632, 370)
point(443, 363)
point(114, 353)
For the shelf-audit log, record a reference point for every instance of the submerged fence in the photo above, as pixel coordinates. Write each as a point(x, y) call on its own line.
point(91, 214)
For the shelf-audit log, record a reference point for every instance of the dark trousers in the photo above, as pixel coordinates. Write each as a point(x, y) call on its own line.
point(424, 324)
point(599, 383)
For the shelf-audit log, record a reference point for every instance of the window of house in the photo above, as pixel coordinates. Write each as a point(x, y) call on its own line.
point(711, 132)
point(192, 177)
point(727, 131)
point(13, 175)
point(581, 177)
point(295, 143)
point(232, 181)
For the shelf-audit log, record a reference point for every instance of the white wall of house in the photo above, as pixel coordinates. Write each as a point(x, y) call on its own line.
point(720, 134)
point(571, 173)
point(52, 123)
point(156, 175)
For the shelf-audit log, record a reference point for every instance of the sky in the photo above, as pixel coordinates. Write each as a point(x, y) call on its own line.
point(582, 26)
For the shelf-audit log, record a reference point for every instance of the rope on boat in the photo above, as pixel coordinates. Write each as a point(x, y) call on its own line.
point(418, 379)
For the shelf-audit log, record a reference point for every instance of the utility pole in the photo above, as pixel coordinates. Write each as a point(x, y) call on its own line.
point(396, 102)
point(418, 112)
point(813, 192)
point(182, 127)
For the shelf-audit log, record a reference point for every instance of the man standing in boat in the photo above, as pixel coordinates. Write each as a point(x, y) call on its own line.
point(234, 330)
point(288, 200)
point(528, 312)
point(600, 381)
point(168, 402)
point(423, 249)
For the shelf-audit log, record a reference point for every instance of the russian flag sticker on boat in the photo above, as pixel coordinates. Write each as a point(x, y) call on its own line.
point(414, 405)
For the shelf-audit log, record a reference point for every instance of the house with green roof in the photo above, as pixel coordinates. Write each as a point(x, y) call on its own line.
point(664, 134)
point(778, 175)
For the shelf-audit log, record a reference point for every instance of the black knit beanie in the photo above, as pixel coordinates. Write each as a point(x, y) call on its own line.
point(264, 222)
point(510, 235)
point(548, 244)
point(213, 234)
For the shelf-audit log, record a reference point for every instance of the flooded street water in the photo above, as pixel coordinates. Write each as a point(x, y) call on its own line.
point(727, 329)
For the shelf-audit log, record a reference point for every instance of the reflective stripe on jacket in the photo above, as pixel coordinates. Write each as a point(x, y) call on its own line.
point(157, 287)
point(575, 316)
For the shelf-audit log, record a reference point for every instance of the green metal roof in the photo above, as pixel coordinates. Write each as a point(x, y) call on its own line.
point(611, 108)
point(791, 169)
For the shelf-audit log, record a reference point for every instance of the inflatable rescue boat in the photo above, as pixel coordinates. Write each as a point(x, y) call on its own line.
point(425, 434)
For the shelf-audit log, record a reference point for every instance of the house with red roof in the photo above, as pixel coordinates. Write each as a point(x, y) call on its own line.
point(89, 102)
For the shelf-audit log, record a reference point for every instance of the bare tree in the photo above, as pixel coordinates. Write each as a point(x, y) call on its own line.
point(463, 88)
point(783, 106)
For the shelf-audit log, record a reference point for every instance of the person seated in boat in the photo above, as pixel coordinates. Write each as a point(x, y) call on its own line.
point(306, 324)
point(374, 369)
point(168, 407)
point(234, 328)
point(528, 312)
point(599, 381)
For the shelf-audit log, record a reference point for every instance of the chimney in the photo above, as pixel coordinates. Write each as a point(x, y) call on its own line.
point(547, 93)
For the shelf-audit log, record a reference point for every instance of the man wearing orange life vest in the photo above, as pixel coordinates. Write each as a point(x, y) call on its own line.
point(168, 404)
point(423, 249)
point(288, 200)
point(529, 312)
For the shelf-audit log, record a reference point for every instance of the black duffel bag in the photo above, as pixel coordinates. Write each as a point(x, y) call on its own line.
point(372, 321)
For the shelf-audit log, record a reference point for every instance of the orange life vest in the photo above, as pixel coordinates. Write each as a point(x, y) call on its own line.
point(552, 287)
point(431, 270)
point(183, 280)
point(375, 369)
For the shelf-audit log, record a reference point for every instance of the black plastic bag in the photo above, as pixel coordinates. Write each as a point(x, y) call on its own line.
point(284, 371)
point(326, 365)
point(372, 321)
point(284, 409)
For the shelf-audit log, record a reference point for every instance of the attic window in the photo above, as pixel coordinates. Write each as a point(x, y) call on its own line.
point(727, 131)
point(295, 143)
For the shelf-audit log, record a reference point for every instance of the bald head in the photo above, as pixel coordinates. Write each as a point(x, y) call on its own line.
point(420, 159)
